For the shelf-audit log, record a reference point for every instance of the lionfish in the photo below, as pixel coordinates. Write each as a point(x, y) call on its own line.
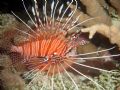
point(50, 49)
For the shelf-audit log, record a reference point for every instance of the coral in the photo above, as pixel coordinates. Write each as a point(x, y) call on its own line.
point(94, 9)
point(110, 32)
point(107, 82)
point(116, 5)
point(104, 79)
point(7, 31)
point(12, 81)
point(7, 22)
point(9, 77)
point(102, 3)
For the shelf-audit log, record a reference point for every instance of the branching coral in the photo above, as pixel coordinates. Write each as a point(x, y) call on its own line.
point(94, 9)
point(110, 32)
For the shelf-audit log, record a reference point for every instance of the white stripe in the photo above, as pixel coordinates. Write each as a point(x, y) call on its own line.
point(52, 7)
point(61, 8)
point(20, 49)
point(28, 47)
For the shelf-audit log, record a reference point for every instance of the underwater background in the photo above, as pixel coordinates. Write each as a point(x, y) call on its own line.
point(105, 42)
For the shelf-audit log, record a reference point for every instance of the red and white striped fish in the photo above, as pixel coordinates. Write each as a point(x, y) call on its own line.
point(48, 41)
point(50, 48)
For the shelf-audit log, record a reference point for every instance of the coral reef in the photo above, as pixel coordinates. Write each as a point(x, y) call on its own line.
point(94, 9)
point(7, 31)
point(115, 4)
point(110, 32)
point(10, 79)
point(98, 17)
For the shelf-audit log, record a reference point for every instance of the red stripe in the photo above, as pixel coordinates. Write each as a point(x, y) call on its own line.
point(39, 51)
point(42, 47)
point(23, 50)
point(47, 46)
point(63, 50)
point(60, 47)
point(53, 46)
point(30, 49)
